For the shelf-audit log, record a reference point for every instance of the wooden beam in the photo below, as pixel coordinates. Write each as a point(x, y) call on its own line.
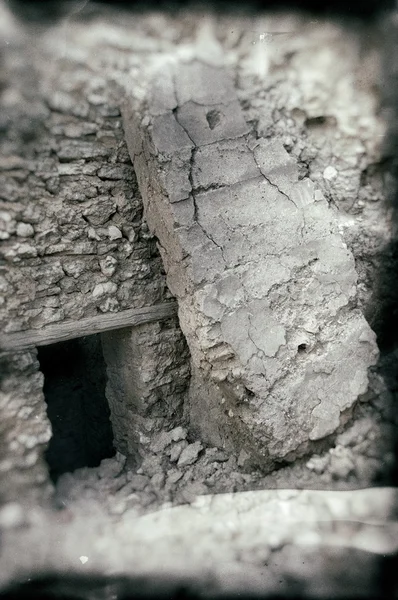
point(60, 332)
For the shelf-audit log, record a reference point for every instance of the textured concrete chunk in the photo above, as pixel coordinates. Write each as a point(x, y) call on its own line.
point(208, 124)
point(223, 164)
point(202, 84)
point(168, 135)
point(278, 351)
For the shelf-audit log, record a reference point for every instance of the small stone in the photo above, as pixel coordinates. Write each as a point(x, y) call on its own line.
point(114, 233)
point(177, 449)
point(129, 233)
point(243, 458)
point(104, 288)
point(25, 230)
point(109, 467)
point(11, 515)
point(92, 234)
point(216, 455)
point(329, 173)
point(26, 251)
point(173, 477)
point(137, 483)
point(160, 442)
point(317, 463)
point(121, 458)
point(109, 305)
point(191, 491)
point(157, 480)
point(147, 499)
point(341, 462)
point(178, 433)
point(74, 268)
point(108, 265)
point(118, 507)
point(190, 454)
point(152, 465)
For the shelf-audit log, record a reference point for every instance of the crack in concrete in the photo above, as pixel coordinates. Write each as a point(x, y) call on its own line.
point(279, 190)
point(209, 237)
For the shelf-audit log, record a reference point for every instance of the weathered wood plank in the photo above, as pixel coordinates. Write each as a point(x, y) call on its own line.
point(61, 332)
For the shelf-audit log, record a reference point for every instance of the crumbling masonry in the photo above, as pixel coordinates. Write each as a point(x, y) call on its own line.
point(263, 279)
point(234, 213)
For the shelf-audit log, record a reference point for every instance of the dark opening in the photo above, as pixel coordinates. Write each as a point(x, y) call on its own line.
point(74, 390)
point(213, 118)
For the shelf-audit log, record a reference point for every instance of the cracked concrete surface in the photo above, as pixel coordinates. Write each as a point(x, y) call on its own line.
point(265, 283)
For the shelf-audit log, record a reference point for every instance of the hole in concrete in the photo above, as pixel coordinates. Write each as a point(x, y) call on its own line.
point(213, 118)
point(249, 393)
point(320, 122)
point(302, 347)
point(74, 390)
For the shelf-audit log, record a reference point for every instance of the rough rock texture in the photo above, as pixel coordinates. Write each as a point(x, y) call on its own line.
point(24, 429)
point(73, 240)
point(147, 375)
point(324, 122)
point(265, 284)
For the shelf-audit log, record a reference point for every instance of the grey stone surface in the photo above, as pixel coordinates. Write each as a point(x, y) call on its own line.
point(24, 431)
point(74, 241)
point(265, 283)
point(147, 382)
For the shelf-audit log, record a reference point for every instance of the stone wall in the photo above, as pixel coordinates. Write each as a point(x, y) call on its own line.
point(73, 240)
point(74, 244)
point(24, 430)
point(147, 375)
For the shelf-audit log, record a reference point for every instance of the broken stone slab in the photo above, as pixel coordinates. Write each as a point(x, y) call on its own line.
point(265, 285)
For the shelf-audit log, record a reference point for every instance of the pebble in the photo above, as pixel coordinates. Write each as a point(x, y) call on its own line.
point(160, 443)
point(152, 465)
point(25, 230)
point(109, 467)
point(173, 477)
point(114, 233)
point(341, 462)
point(118, 507)
point(317, 463)
point(177, 450)
point(191, 491)
point(157, 481)
point(137, 482)
point(178, 433)
point(329, 173)
point(190, 454)
point(12, 515)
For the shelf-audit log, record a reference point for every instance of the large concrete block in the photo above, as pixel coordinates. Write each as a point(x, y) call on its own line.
point(265, 284)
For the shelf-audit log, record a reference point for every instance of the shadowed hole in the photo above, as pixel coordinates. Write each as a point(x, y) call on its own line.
point(74, 391)
point(213, 118)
